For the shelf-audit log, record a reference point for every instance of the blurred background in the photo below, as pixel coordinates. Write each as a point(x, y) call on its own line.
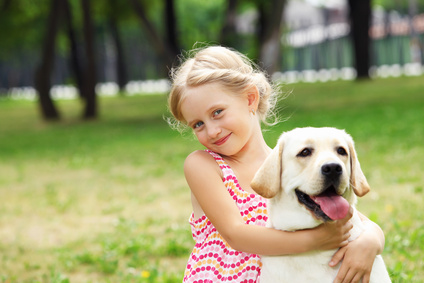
point(92, 187)
point(69, 48)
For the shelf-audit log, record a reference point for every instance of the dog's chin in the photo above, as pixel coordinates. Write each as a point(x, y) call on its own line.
point(314, 207)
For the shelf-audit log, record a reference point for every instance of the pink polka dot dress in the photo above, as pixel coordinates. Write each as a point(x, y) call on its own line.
point(212, 259)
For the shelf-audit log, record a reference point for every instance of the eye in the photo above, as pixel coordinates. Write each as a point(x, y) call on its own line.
point(197, 125)
point(341, 151)
point(217, 112)
point(305, 152)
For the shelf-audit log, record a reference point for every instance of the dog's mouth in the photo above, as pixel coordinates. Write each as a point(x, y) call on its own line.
point(325, 206)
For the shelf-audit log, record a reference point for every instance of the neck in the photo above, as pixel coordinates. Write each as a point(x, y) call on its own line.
point(254, 150)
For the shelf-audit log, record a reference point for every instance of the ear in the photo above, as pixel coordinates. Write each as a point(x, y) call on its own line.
point(267, 180)
point(358, 182)
point(253, 97)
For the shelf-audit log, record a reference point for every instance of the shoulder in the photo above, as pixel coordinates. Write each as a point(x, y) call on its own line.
point(199, 159)
point(201, 163)
point(198, 156)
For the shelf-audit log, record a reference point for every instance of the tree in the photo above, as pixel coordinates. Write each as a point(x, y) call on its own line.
point(400, 6)
point(166, 53)
point(360, 17)
point(86, 80)
point(44, 70)
point(171, 29)
point(269, 33)
point(203, 26)
point(74, 54)
point(88, 89)
point(122, 77)
point(228, 35)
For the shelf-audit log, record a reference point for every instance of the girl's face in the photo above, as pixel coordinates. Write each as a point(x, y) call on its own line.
point(221, 119)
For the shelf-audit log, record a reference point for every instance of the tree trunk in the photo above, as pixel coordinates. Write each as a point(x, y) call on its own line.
point(271, 14)
point(360, 17)
point(74, 54)
point(171, 29)
point(157, 42)
point(228, 32)
point(121, 73)
point(90, 111)
point(44, 70)
point(6, 4)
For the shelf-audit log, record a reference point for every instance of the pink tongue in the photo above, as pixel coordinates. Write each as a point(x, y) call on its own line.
point(336, 207)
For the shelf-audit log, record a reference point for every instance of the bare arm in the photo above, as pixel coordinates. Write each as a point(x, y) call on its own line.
point(358, 256)
point(220, 209)
point(375, 232)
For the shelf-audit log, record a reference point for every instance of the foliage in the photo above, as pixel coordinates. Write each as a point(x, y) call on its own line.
point(400, 6)
point(106, 201)
point(22, 25)
point(25, 21)
point(202, 26)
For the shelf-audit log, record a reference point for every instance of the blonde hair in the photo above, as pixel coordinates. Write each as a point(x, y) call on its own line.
point(229, 68)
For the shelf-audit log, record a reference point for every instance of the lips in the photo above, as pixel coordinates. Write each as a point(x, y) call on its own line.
point(222, 140)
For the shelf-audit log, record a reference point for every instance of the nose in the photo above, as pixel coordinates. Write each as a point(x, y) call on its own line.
point(213, 130)
point(332, 170)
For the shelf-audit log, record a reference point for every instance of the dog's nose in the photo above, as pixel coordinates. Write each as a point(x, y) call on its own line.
point(331, 170)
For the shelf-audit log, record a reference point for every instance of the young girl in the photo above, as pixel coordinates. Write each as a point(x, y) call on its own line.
point(223, 98)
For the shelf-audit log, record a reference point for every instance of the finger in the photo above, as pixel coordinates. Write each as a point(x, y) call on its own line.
point(349, 277)
point(349, 213)
point(366, 278)
point(348, 216)
point(348, 225)
point(346, 219)
point(337, 257)
point(343, 220)
point(344, 243)
point(341, 274)
point(345, 238)
point(346, 230)
point(355, 279)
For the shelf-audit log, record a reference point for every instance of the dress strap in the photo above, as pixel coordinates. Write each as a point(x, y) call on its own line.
point(225, 168)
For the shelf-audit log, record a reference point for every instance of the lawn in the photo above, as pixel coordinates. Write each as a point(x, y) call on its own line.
point(106, 200)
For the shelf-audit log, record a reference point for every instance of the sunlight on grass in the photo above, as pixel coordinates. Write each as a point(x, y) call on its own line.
point(106, 200)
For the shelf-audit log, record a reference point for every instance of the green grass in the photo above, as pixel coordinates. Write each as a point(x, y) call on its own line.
point(106, 200)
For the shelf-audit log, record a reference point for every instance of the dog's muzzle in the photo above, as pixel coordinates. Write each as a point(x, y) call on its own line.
point(326, 206)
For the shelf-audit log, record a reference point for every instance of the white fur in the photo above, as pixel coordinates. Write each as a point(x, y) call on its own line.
point(282, 173)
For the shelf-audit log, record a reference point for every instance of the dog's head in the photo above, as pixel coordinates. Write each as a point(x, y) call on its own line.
point(318, 167)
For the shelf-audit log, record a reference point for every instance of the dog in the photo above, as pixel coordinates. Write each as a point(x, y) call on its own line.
point(312, 176)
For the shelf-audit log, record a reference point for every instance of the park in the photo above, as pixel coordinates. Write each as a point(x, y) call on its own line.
point(104, 199)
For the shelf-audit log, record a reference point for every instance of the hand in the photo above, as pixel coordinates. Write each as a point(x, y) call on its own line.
point(334, 234)
point(358, 258)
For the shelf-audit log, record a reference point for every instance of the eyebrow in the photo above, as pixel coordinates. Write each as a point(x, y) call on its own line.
point(214, 106)
point(191, 123)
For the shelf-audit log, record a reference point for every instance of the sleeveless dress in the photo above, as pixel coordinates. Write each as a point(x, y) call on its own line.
point(212, 259)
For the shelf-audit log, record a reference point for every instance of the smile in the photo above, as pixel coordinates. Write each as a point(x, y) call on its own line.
point(222, 140)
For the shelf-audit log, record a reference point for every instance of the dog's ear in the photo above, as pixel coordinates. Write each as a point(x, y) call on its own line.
point(358, 182)
point(267, 180)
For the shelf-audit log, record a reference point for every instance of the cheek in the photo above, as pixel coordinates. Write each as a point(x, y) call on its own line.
point(201, 137)
point(242, 126)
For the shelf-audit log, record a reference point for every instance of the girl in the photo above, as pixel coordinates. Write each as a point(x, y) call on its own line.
point(223, 98)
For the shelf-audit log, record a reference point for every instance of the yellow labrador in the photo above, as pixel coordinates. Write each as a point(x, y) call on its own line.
point(311, 176)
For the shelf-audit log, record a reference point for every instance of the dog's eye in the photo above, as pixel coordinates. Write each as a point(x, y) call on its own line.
point(341, 151)
point(305, 152)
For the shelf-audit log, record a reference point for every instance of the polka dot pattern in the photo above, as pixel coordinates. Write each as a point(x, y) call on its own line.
point(212, 259)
